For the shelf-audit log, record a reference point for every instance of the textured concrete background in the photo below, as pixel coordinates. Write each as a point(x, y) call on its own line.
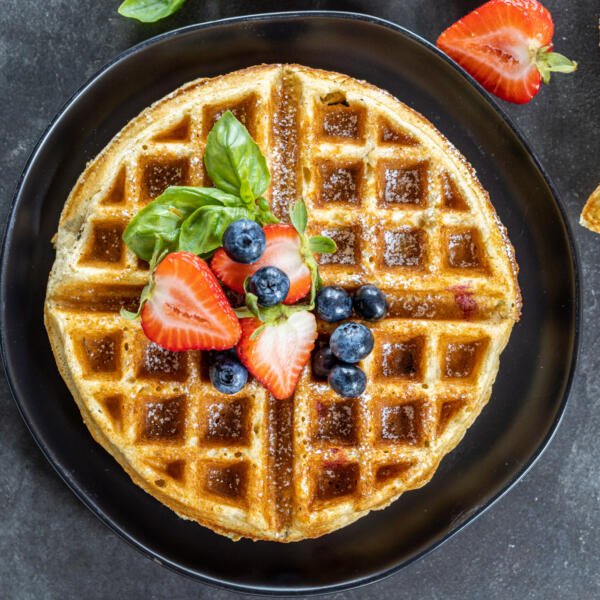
point(540, 541)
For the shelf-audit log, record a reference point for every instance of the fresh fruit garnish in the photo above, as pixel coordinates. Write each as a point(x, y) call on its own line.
point(507, 46)
point(370, 303)
point(351, 342)
point(270, 285)
point(186, 308)
point(275, 353)
point(244, 241)
point(283, 250)
point(347, 380)
point(227, 374)
point(289, 249)
point(322, 362)
point(333, 303)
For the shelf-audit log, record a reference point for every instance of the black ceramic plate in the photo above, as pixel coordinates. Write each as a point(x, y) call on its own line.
point(536, 368)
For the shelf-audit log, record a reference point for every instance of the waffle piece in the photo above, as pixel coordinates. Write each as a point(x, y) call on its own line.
point(590, 215)
point(408, 215)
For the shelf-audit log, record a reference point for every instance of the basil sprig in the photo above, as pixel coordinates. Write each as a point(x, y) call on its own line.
point(157, 227)
point(149, 11)
point(195, 218)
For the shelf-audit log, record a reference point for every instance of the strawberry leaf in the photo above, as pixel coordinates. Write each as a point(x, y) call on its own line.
point(299, 217)
point(552, 62)
point(321, 244)
point(145, 295)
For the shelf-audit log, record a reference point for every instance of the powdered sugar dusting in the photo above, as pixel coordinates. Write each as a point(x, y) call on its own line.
point(345, 238)
point(340, 185)
point(402, 186)
point(284, 155)
point(403, 248)
point(341, 123)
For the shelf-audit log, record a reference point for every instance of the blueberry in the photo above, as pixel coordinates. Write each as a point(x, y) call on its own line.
point(244, 241)
point(270, 284)
point(370, 303)
point(351, 342)
point(322, 362)
point(227, 373)
point(333, 303)
point(347, 380)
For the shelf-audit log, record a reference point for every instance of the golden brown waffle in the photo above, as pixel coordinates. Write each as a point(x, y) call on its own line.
point(407, 214)
point(590, 215)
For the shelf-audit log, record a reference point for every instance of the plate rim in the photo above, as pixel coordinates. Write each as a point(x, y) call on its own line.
point(72, 484)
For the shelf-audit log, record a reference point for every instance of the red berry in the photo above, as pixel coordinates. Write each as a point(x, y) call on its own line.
point(187, 309)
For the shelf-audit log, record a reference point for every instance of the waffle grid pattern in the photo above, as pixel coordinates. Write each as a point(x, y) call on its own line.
point(404, 219)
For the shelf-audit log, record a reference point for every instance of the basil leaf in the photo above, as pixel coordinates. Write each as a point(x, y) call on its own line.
point(264, 215)
point(320, 244)
point(299, 217)
point(204, 195)
point(149, 11)
point(234, 161)
point(202, 231)
point(160, 221)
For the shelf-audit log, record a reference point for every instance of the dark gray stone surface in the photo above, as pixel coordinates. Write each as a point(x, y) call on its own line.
point(539, 541)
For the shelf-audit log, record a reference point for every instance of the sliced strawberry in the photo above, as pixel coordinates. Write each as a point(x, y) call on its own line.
point(187, 309)
point(283, 251)
point(279, 352)
point(506, 45)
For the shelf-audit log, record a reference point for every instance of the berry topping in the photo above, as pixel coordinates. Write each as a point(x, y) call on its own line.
point(283, 250)
point(347, 380)
point(186, 308)
point(270, 284)
point(244, 241)
point(351, 342)
point(277, 353)
point(333, 303)
point(322, 362)
point(506, 45)
point(227, 373)
point(370, 303)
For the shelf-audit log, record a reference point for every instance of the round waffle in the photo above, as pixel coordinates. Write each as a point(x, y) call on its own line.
point(408, 215)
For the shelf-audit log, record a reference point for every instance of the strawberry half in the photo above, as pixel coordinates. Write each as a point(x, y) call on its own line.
point(277, 355)
point(506, 45)
point(283, 250)
point(187, 309)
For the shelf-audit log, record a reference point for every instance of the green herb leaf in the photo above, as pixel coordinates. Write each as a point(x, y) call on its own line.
point(264, 215)
point(299, 217)
point(552, 62)
point(160, 221)
point(149, 11)
point(321, 244)
point(252, 305)
point(315, 280)
point(202, 232)
point(234, 161)
point(204, 195)
point(133, 316)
